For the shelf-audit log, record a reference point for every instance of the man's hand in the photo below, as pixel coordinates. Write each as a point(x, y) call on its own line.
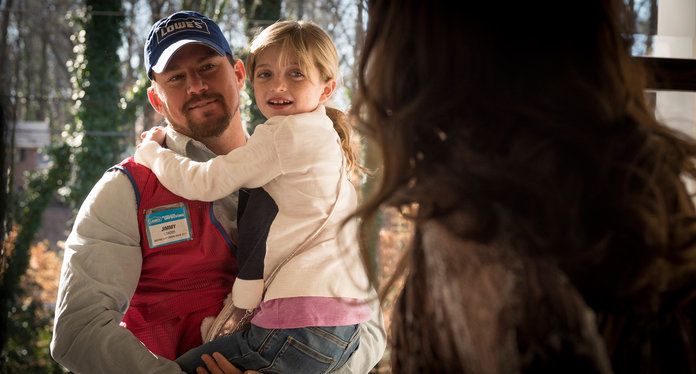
point(156, 134)
point(218, 364)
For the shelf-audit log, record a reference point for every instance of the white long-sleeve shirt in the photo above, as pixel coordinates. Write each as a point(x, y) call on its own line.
point(298, 160)
point(100, 272)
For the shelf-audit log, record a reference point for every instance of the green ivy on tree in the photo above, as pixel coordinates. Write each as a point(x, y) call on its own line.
point(98, 136)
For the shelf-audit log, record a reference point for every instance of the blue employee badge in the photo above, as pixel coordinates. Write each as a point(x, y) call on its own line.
point(168, 224)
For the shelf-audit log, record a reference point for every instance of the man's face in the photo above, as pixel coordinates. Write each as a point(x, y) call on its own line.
point(198, 92)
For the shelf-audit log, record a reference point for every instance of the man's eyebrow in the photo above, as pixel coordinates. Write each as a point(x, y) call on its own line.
point(208, 56)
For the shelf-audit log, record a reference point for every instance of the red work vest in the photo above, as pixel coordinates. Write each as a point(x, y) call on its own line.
point(180, 283)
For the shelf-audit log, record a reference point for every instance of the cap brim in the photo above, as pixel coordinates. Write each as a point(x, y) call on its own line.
point(169, 52)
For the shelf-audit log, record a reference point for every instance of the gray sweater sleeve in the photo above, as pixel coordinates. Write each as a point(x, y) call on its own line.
point(100, 272)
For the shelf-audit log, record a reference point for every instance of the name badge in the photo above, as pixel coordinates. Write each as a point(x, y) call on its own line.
point(168, 224)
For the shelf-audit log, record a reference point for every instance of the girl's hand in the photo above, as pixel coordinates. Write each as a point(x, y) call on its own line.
point(156, 134)
point(218, 364)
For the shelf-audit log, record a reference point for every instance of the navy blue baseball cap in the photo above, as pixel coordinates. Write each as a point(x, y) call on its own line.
point(171, 33)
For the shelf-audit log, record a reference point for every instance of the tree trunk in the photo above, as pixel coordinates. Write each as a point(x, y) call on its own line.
point(15, 106)
point(260, 14)
point(149, 113)
point(28, 48)
point(130, 35)
point(42, 92)
point(359, 41)
point(193, 5)
point(4, 111)
point(652, 26)
point(3, 183)
point(219, 10)
point(300, 9)
point(4, 26)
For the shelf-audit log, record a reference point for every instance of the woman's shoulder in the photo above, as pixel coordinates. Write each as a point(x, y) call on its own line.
point(505, 292)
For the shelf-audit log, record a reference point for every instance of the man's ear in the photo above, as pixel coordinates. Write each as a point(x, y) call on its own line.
point(329, 88)
point(154, 98)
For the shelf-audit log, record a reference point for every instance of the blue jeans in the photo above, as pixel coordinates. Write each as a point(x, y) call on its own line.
point(304, 350)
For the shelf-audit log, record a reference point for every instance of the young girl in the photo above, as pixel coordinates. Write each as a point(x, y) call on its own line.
point(306, 320)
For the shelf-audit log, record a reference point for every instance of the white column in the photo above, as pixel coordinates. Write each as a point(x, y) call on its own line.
point(676, 38)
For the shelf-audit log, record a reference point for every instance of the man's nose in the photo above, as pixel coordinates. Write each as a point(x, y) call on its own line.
point(196, 84)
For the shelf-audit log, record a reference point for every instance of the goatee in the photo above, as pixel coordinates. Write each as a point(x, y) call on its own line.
point(210, 126)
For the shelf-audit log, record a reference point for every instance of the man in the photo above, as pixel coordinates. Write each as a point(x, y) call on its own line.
point(164, 261)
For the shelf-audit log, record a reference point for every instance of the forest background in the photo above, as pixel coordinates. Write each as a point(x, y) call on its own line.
point(77, 66)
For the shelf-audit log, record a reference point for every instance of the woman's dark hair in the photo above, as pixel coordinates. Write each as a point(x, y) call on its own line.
point(530, 119)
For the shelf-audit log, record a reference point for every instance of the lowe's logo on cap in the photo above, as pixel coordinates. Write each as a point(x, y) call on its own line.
point(189, 24)
point(171, 33)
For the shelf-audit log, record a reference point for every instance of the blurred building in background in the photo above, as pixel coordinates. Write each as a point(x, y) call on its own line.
point(30, 138)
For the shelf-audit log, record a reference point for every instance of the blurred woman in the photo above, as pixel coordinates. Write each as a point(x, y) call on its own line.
point(553, 230)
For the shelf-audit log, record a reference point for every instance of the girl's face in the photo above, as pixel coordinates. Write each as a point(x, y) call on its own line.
point(283, 89)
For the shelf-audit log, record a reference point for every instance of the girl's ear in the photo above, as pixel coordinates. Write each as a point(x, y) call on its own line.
point(154, 98)
point(329, 88)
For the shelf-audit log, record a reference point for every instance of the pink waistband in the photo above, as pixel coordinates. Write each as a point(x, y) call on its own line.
point(306, 311)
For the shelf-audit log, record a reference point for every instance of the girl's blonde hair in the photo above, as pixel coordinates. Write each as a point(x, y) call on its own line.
point(313, 49)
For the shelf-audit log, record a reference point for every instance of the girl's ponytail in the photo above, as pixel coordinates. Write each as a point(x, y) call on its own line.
point(343, 128)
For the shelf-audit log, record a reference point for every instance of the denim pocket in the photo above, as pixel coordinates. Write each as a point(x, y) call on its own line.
point(296, 357)
point(340, 336)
